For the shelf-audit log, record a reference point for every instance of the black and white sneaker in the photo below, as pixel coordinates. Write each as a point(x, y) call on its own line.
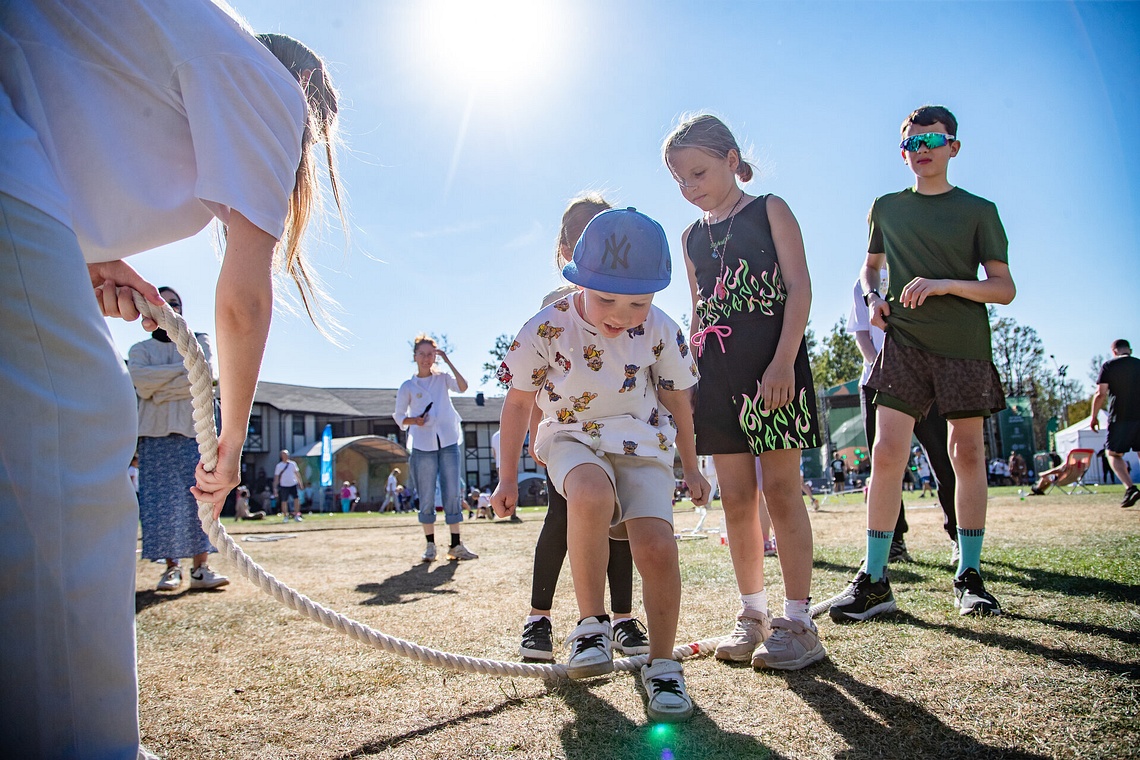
point(538, 641)
point(971, 597)
point(865, 598)
point(1131, 496)
point(664, 683)
point(630, 637)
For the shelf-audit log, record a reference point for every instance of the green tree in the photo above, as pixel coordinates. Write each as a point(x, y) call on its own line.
point(837, 359)
point(498, 353)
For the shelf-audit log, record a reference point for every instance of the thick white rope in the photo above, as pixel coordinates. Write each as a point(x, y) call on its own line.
point(202, 390)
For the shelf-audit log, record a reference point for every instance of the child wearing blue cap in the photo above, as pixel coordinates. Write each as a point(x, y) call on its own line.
point(613, 373)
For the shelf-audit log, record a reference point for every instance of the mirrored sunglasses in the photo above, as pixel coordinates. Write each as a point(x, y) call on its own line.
point(930, 140)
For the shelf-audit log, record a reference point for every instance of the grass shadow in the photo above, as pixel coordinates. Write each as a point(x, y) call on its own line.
point(878, 724)
point(1089, 629)
point(1041, 579)
point(601, 732)
point(412, 584)
point(144, 600)
point(380, 745)
point(1062, 656)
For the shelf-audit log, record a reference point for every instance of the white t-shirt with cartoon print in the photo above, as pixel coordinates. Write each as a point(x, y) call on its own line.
point(601, 391)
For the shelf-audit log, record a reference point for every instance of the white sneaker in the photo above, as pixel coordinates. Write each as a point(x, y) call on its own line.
point(204, 577)
point(298, 518)
point(792, 645)
point(589, 646)
point(429, 553)
point(170, 580)
point(752, 628)
point(459, 551)
point(664, 683)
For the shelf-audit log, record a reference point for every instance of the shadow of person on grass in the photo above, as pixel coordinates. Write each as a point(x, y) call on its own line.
point(598, 728)
point(878, 724)
point(148, 598)
point(414, 583)
point(1042, 579)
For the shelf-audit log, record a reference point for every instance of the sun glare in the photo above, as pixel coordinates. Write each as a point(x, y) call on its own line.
point(489, 43)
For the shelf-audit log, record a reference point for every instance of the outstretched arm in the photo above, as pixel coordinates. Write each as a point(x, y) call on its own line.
point(777, 385)
point(512, 430)
point(680, 405)
point(243, 310)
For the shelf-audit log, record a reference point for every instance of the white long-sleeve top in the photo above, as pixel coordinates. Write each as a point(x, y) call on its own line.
point(163, 387)
point(443, 427)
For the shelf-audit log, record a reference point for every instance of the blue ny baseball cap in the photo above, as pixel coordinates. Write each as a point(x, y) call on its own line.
point(621, 251)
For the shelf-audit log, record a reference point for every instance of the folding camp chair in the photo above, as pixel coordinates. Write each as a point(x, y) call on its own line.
point(1076, 468)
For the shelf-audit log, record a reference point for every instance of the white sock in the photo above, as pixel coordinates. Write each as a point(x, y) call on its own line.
point(757, 602)
point(536, 618)
point(798, 609)
point(620, 620)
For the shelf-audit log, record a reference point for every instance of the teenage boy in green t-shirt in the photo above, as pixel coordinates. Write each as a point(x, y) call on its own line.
point(932, 237)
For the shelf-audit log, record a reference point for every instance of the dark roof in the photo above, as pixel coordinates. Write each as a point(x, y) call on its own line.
point(361, 402)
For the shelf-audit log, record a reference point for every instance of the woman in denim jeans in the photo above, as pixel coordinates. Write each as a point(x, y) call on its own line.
point(424, 409)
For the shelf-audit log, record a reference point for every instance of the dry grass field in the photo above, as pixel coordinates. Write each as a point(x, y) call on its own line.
point(234, 674)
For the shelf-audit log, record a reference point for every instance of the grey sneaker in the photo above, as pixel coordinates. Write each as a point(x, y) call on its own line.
point(971, 597)
point(664, 682)
point(792, 645)
point(204, 577)
point(589, 646)
point(955, 554)
point(170, 580)
point(429, 553)
point(751, 629)
point(459, 551)
point(898, 552)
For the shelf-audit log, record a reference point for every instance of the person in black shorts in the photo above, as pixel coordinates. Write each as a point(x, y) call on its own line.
point(1119, 384)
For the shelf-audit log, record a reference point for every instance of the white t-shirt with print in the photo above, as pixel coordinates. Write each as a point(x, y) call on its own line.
point(601, 391)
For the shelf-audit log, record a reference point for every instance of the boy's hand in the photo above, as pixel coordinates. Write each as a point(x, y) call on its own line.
point(778, 385)
point(699, 488)
point(880, 310)
point(505, 499)
point(918, 289)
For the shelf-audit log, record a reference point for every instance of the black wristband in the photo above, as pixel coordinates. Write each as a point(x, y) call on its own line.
point(868, 294)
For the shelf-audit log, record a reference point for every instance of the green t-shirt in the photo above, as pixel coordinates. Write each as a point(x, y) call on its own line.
point(945, 236)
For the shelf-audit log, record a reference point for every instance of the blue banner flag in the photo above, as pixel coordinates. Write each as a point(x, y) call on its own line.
point(326, 457)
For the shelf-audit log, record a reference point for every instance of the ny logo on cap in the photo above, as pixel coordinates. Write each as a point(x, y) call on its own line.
point(617, 251)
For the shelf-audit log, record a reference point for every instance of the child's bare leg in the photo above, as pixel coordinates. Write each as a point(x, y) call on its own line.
point(789, 519)
point(655, 554)
point(765, 517)
point(741, 502)
point(888, 462)
point(590, 506)
point(967, 455)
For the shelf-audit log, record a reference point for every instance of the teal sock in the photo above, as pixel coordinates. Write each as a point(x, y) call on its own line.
point(970, 548)
point(878, 549)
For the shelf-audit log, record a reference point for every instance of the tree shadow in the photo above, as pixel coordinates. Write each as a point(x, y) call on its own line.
point(1089, 629)
point(1041, 579)
point(412, 584)
point(597, 724)
point(878, 724)
point(380, 745)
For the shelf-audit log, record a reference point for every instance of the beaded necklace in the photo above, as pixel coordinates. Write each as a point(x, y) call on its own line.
point(719, 290)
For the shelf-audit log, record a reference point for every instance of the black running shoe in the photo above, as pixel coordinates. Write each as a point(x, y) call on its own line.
point(537, 641)
point(1131, 496)
point(631, 637)
point(864, 599)
point(899, 552)
point(971, 597)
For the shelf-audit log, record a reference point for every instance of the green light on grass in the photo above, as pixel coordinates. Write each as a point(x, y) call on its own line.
point(663, 731)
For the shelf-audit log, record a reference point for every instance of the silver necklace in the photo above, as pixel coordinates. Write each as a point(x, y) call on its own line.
point(719, 253)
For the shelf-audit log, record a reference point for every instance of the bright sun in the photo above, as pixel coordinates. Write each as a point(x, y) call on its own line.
point(489, 43)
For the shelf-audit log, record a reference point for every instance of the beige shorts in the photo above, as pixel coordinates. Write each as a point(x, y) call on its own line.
point(643, 485)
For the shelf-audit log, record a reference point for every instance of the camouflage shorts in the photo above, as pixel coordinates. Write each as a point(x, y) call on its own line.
point(910, 380)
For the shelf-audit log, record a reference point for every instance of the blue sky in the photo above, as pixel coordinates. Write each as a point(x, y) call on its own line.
point(466, 135)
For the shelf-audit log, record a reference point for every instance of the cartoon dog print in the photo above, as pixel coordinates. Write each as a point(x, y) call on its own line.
point(563, 305)
point(682, 344)
point(593, 356)
point(662, 442)
point(538, 377)
point(658, 349)
point(514, 346)
point(629, 447)
point(561, 361)
point(583, 402)
point(693, 369)
point(550, 332)
point(630, 383)
point(565, 416)
point(635, 331)
point(654, 417)
point(504, 375)
point(550, 392)
point(593, 427)
point(664, 385)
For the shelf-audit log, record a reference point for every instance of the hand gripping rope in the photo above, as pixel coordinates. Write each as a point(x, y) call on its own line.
point(202, 390)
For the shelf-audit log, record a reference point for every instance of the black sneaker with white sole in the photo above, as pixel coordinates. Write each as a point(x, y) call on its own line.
point(971, 597)
point(898, 552)
point(630, 637)
point(538, 641)
point(1131, 496)
point(865, 598)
